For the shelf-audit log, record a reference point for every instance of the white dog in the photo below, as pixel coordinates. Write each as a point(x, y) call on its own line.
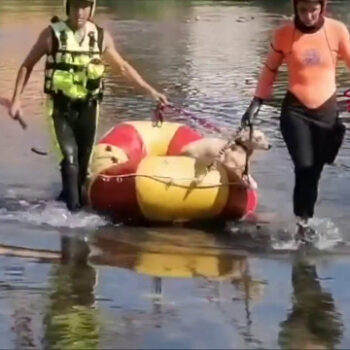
point(234, 158)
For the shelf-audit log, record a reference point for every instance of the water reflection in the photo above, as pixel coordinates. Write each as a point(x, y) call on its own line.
point(167, 252)
point(71, 321)
point(225, 286)
point(313, 321)
point(180, 253)
point(25, 337)
point(159, 258)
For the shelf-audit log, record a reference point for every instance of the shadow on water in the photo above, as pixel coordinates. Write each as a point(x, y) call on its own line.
point(166, 252)
point(169, 253)
point(313, 321)
point(71, 321)
point(72, 316)
point(65, 316)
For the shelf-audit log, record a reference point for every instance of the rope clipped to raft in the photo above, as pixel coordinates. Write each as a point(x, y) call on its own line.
point(170, 180)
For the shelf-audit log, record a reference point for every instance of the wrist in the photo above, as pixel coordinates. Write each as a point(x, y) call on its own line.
point(152, 91)
point(16, 99)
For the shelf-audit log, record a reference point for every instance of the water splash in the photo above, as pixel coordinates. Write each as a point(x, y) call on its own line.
point(328, 236)
point(289, 244)
point(50, 213)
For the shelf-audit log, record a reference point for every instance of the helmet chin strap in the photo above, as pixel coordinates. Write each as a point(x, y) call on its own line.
point(93, 9)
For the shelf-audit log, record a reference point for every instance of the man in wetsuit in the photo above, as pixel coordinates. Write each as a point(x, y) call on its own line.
point(310, 45)
point(75, 49)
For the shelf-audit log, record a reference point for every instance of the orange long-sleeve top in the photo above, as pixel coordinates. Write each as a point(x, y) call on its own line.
point(311, 60)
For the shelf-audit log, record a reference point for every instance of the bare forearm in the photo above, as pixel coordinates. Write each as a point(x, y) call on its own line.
point(21, 81)
point(117, 63)
point(134, 77)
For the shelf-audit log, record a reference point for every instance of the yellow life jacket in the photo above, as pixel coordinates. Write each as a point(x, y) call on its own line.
point(75, 69)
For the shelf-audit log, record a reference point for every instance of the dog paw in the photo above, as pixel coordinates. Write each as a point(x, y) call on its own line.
point(197, 180)
point(250, 182)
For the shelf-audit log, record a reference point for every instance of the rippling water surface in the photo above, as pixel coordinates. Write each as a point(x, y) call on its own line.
point(78, 281)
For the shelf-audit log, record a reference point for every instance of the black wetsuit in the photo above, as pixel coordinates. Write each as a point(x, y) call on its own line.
point(75, 127)
point(312, 138)
point(75, 124)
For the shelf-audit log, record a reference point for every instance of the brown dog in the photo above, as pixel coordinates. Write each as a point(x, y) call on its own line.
point(234, 158)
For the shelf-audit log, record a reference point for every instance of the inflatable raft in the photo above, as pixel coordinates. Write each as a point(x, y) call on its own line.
point(137, 172)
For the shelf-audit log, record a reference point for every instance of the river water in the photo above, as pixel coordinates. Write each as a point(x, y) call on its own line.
point(79, 281)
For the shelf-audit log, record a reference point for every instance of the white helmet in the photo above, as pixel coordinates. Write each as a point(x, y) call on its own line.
point(93, 6)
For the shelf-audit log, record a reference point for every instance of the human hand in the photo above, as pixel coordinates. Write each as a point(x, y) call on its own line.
point(16, 113)
point(15, 110)
point(251, 112)
point(246, 118)
point(159, 98)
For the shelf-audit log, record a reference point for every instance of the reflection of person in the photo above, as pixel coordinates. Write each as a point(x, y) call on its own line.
point(310, 46)
point(73, 80)
point(313, 322)
point(71, 320)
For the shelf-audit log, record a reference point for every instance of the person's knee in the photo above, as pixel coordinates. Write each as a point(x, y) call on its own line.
point(71, 158)
point(306, 176)
point(303, 171)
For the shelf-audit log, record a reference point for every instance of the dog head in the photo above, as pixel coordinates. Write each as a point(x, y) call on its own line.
point(253, 141)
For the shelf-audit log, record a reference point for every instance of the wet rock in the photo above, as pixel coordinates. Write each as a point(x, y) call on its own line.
point(250, 81)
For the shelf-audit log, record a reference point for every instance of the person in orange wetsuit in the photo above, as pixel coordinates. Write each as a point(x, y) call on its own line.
point(310, 45)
